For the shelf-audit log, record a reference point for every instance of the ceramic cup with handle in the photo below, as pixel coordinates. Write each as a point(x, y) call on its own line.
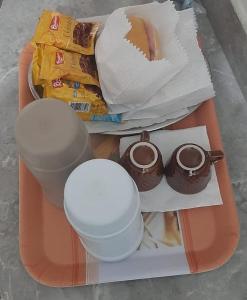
point(189, 169)
point(143, 161)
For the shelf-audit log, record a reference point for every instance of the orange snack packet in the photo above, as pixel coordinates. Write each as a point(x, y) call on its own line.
point(86, 100)
point(57, 63)
point(56, 29)
point(36, 64)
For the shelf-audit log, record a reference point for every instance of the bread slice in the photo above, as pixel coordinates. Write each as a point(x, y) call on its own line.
point(137, 35)
point(153, 41)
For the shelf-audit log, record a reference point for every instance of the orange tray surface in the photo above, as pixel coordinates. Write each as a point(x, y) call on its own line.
point(50, 249)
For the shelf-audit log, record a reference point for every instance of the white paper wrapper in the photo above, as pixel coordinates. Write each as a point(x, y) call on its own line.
point(163, 197)
point(137, 125)
point(190, 87)
point(126, 76)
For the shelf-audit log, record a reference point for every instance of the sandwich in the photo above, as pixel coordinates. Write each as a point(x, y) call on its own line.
point(144, 36)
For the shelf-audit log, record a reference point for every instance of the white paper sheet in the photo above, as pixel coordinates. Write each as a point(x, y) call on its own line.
point(126, 76)
point(163, 197)
point(101, 127)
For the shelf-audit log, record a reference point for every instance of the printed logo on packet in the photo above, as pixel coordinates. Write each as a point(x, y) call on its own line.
point(57, 83)
point(54, 23)
point(77, 85)
point(59, 58)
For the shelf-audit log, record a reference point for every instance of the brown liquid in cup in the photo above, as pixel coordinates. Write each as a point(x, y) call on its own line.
point(143, 155)
point(190, 171)
point(190, 157)
point(146, 177)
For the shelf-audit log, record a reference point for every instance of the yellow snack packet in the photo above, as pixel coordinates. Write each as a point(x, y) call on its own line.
point(86, 100)
point(36, 64)
point(66, 33)
point(57, 63)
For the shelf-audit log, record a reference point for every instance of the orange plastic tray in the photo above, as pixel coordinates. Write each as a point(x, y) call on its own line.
point(50, 249)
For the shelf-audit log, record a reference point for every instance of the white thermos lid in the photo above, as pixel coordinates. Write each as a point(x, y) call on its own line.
point(100, 198)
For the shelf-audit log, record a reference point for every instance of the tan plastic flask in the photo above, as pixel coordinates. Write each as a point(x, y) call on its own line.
point(52, 142)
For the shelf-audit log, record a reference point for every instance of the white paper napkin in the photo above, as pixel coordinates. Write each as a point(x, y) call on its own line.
point(126, 76)
point(101, 127)
point(163, 197)
point(189, 87)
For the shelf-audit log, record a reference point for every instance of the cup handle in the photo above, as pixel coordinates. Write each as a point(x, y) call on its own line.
point(145, 137)
point(215, 155)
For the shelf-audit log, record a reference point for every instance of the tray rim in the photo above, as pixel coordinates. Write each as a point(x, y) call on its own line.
point(183, 215)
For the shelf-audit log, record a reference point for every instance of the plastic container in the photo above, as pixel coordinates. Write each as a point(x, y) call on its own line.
point(52, 141)
point(102, 203)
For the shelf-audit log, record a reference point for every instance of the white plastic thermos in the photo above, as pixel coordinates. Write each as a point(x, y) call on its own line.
point(102, 203)
point(52, 142)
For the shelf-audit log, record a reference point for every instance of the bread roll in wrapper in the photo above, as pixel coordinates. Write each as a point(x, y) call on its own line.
point(190, 87)
point(127, 75)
